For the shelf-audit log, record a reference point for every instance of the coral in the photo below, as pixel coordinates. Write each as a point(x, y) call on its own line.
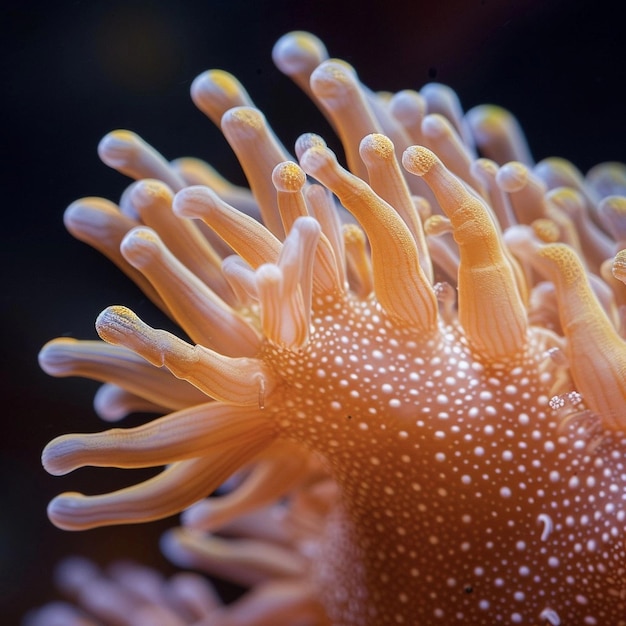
point(412, 383)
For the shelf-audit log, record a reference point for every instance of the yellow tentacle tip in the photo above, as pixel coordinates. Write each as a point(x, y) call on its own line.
point(116, 314)
point(418, 160)
point(565, 259)
point(243, 118)
point(546, 230)
point(289, 177)
point(376, 146)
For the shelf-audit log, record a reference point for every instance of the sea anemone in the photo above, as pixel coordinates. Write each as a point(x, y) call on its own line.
point(410, 385)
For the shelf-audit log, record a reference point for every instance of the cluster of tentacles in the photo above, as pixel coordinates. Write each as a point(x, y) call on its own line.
point(410, 383)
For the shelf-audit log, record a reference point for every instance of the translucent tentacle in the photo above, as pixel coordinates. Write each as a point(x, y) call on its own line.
point(171, 491)
point(441, 99)
point(198, 172)
point(296, 55)
point(595, 351)
point(337, 89)
point(244, 561)
point(205, 317)
point(359, 267)
point(607, 179)
point(186, 434)
point(400, 284)
point(153, 202)
point(215, 91)
point(388, 181)
point(443, 139)
point(258, 152)
point(269, 481)
point(323, 209)
point(595, 246)
point(242, 381)
point(498, 134)
point(612, 213)
point(285, 289)
point(113, 403)
point(245, 235)
point(118, 365)
point(491, 309)
point(129, 154)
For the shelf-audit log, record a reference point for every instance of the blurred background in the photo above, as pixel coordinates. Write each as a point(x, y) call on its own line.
point(72, 71)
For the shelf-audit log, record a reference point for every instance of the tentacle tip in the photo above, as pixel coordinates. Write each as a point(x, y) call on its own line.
point(289, 177)
point(332, 78)
point(512, 176)
point(147, 191)
point(306, 141)
point(83, 215)
point(298, 51)
point(316, 158)
point(194, 201)
point(487, 119)
point(106, 407)
point(115, 322)
point(486, 166)
point(436, 225)
point(64, 511)
point(196, 515)
point(140, 246)
point(570, 199)
point(173, 548)
point(74, 215)
point(376, 146)
point(612, 213)
point(116, 147)
point(53, 357)
point(435, 126)
point(546, 230)
point(268, 273)
point(308, 226)
point(418, 160)
point(244, 120)
point(212, 83)
point(408, 106)
point(53, 454)
point(563, 260)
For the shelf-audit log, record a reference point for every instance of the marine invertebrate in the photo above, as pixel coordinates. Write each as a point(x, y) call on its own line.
point(429, 461)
